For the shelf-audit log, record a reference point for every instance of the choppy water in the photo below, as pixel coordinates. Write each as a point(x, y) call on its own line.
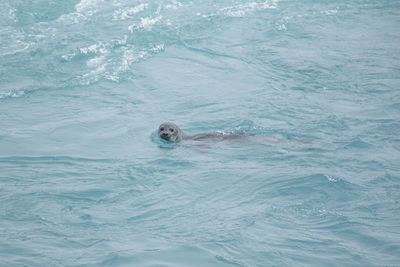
point(84, 179)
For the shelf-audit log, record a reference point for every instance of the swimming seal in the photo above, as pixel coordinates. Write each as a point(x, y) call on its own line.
point(171, 132)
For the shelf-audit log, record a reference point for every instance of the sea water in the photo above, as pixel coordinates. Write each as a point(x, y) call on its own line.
point(85, 180)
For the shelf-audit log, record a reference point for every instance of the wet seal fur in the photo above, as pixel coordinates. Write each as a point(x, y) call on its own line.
point(171, 132)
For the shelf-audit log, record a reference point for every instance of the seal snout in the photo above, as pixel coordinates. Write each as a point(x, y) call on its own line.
point(163, 132)
point(164, 135)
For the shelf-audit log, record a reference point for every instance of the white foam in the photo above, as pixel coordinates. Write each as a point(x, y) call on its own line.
point(148, 22)
point(242, 10)
point(330, 178)
point(95, 61)
point(122, 14)
point(131, 56)
point(174, 5)
point(84, 5)
point(282, 27)
point(84, 9)
point(112, 77)
point(68, 57)
point(71, 18)
point(157, 48)
point(145, 23)
point(95, 48)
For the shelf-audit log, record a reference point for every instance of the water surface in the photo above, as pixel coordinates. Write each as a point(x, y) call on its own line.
point(85, 181)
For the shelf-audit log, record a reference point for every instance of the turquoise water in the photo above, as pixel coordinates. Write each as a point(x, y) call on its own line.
point(85, 181)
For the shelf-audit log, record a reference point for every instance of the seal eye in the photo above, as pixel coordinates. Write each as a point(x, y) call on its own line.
point(162, 129)
point(172, 130)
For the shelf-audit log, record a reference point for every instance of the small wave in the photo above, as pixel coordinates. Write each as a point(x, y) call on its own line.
point(93, 76)
point(174, 256)
point(109, 66)
point(11, 93)
point(331, 178)
point(60, 159)
point(14, 41)
point(108, 59)
point(97, 48)
point(131, 56)
point(330, 12)
point(161, 142)
point(13, 14)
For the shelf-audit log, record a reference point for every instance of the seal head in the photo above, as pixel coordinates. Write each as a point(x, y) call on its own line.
point(170, 132)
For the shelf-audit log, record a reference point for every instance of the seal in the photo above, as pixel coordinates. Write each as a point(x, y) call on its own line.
point(171, 132)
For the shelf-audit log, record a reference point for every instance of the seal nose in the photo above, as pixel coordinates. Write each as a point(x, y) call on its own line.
point(164, 135)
